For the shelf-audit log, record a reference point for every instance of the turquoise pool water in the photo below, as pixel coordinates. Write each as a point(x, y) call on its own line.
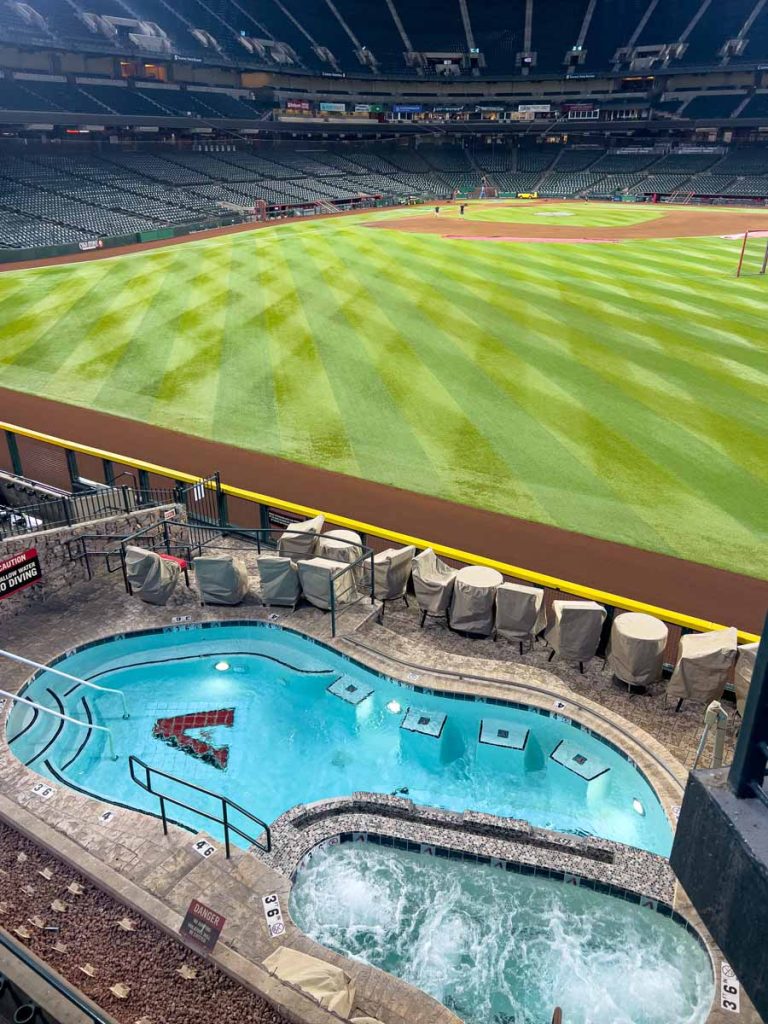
point(502, 948)
point(274, 736)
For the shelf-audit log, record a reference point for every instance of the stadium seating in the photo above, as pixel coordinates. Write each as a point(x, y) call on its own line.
point(55, 195)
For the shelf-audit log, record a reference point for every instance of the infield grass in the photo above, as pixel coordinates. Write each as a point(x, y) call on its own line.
point(615, 390)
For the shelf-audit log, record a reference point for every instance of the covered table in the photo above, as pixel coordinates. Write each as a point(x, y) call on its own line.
point(341, 546)
point(474, 593)
point(703, 665)
point(636, 648)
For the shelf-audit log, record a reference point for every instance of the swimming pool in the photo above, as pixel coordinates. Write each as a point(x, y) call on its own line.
point(503, 948)
point(272, 719)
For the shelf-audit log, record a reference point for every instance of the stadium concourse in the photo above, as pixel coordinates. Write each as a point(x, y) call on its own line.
point(383, 489)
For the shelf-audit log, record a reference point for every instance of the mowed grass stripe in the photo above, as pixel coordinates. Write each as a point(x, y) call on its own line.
point(677, 461)
point(312, 427)
point(543, 458)
point(346, 320)
point(424, 402)
point(245, 405)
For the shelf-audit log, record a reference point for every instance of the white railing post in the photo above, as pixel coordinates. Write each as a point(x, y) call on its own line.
point(66, 675)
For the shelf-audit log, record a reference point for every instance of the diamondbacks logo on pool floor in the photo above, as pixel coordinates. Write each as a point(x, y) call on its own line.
point(176, 732)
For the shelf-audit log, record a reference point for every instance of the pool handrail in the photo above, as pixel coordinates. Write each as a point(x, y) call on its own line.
point(64, 718)
point(687, 622)
point(66, 675)
point(226, 803)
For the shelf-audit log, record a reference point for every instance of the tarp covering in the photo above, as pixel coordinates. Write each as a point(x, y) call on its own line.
point(520, 611)
point(742, 677)
point(473, 599)
point(432, 582)
point(279, 580)
point(222, 579)
point(636, 648)
point(576, 630)
point(391, 572)
point(299, 539)
point(315, 576)
point(151, 577)
point(703, 664)
point(325, 983)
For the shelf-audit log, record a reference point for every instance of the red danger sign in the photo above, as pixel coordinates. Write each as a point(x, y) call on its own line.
point(202, 925)
point(19, 571)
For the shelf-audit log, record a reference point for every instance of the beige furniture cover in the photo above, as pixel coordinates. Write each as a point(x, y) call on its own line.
point(364, 1020)
point(636, 648)
point(432, 582)
point(327, 984)
point(222, 579)
point(315, 578)
point(279, 580)
point(575, 633)
point(299, 539)
point(474, 593)
point(150, 577)
point(391, 572)
point(341, 546)
point(520, 612)
point(742, 677)
point(703, 665)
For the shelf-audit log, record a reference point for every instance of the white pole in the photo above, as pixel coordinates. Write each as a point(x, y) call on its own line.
point(66, 675)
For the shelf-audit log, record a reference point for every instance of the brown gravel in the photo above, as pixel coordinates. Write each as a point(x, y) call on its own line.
point(145, 960)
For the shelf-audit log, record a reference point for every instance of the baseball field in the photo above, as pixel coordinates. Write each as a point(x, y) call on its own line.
point(614, 385)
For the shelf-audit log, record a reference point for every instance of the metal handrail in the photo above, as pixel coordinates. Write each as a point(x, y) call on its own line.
point(64, 718)
point(226, 803)
point(42, 971)
point(66, 675)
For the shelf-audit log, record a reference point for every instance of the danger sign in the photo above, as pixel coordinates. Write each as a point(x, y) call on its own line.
point(19, 571)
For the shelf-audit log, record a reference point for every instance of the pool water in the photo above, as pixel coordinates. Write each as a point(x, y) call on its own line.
point(503, 948)
point(269, 735)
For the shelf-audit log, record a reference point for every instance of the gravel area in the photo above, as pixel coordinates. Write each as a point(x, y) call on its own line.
point(80, 935)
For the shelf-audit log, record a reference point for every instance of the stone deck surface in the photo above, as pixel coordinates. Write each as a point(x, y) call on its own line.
point(157, 876)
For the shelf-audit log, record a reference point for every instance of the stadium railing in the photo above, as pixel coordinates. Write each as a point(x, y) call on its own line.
point(43, 455)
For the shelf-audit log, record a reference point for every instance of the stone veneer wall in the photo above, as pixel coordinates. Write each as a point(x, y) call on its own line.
point(59, 573)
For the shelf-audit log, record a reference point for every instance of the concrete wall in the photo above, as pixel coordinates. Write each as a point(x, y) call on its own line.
point(59, 572)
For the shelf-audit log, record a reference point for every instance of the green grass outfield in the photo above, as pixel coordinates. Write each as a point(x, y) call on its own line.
point(617, 390)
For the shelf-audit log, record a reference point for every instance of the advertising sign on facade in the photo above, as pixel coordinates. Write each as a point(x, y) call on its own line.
point(535, 108)
point(333, 108)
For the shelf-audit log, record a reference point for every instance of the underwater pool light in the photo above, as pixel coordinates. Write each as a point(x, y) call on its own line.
point(638, 807)
point(394, 707)
point(221, 666)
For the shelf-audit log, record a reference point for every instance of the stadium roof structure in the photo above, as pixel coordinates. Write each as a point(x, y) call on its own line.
point(420, 38)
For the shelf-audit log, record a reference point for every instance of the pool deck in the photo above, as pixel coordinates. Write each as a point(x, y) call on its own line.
point(157, 876)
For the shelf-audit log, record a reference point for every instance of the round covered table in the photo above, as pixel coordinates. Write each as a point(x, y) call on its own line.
point(341, 546)
point(474, 592)
point(636, 648)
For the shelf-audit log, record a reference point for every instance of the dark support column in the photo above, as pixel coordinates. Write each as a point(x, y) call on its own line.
point(749, 758)
point(143, 480)
point(109, 472)
point(13, 451)
point(74, 475)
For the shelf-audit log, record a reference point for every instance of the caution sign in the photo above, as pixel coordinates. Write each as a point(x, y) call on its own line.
point(19, 571)
point(202, 925)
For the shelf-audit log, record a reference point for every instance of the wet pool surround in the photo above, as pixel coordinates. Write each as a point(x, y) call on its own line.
point(157, 876)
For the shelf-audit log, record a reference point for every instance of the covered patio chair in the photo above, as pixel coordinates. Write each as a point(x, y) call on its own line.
point(299, 539)
point(575, 633)
point(149, 576)
point(222, 579)
point(703, 665)
point(315, 576)
point(520, 613)
point(279, 580)
point(742, 677)
point(391, 572)
point(433, 583)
